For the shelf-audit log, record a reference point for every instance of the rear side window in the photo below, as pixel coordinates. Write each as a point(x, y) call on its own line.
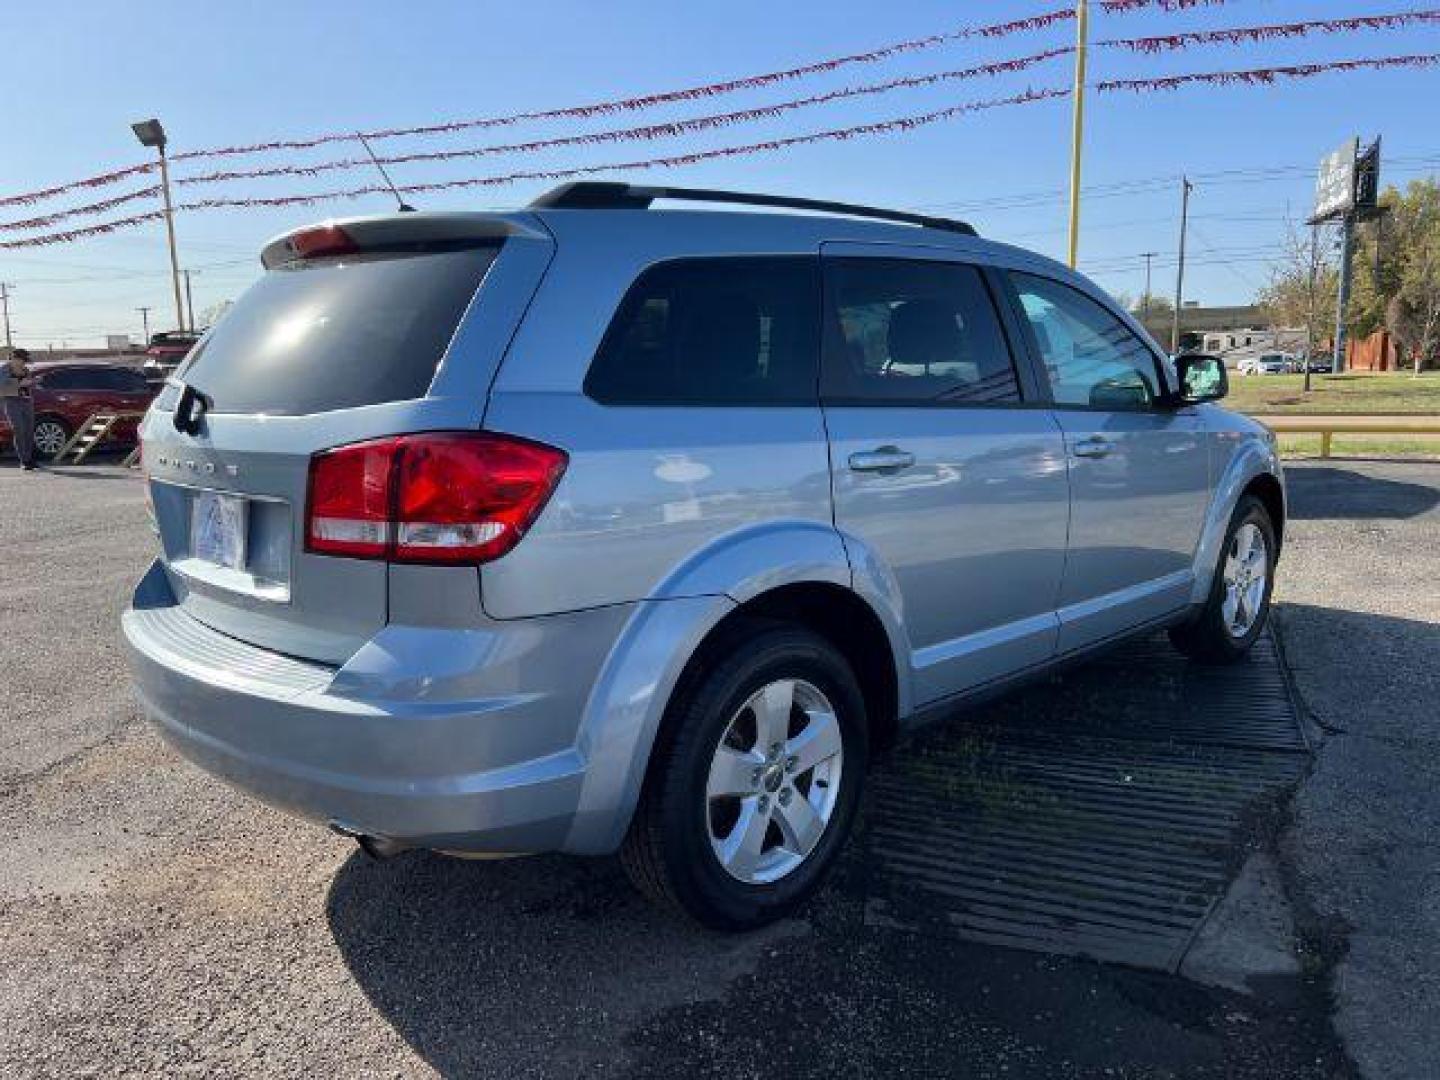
point(338, 333)
point(62, 380)
point(723, 331)
point(901, 330)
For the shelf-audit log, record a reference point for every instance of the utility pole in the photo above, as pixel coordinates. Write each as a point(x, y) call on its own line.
point(5, 304)
point(1077, 137)
point(151, 133)
point(145, 322)
point(1186, 187)
point(1145, 299)
point(189, 301)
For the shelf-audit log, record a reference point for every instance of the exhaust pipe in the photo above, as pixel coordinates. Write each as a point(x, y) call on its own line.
point(378, 848)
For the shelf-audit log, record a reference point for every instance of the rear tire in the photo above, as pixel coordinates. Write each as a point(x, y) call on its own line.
point(50, 436)
point(754, 781)
point(1238, 607)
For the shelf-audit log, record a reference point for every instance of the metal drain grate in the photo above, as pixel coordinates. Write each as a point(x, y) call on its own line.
point(1095, 814)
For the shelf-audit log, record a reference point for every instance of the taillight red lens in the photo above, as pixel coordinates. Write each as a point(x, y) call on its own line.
point(321, 240)
point(437, 498)
point(350, 499)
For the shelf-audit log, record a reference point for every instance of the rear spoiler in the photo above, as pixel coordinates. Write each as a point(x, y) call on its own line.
point(396, 232)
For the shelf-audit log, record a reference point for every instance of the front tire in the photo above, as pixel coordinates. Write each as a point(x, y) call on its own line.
point(1238, 607)
point(754, 781)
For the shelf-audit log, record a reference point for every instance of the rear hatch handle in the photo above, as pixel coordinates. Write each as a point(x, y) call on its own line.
point(190, 410)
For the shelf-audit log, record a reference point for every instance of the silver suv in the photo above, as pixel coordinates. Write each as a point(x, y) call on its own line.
point(596, 527)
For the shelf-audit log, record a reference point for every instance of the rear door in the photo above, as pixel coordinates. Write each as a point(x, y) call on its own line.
point(943, 466)
point(1139, 471)
point(321, 352)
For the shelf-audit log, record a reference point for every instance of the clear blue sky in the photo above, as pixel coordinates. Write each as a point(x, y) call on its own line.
point(78, 73)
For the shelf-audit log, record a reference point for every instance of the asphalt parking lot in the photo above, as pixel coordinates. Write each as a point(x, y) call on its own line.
point(153, 921)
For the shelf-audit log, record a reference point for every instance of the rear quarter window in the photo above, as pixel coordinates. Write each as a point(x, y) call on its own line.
point(338, 333)
point(714, 331)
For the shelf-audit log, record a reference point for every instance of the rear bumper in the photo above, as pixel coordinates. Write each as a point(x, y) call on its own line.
point(376, 746)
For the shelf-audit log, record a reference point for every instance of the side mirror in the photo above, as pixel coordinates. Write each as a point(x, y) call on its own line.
point(1202, 378)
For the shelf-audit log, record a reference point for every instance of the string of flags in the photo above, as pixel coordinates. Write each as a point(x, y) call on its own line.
point(668, 129)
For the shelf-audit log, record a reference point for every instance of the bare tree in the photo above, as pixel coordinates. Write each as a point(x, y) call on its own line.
point(1302, 288)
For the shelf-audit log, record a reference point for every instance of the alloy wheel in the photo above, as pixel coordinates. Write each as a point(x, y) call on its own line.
point(49, 438)
point(1246, 574)
point(774, 781)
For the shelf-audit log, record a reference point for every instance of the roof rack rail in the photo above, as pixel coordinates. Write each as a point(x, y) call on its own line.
point(595, 195)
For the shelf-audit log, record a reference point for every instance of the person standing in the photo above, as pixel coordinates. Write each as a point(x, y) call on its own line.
point(16, 407)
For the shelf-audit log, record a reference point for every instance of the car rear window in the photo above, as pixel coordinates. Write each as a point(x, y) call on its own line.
point(714, 331)
point(338, 333)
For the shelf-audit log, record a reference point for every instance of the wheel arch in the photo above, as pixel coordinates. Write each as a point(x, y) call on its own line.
point(669, 639)
point(841, 617)
point(1271, 494)
point(1253, 469)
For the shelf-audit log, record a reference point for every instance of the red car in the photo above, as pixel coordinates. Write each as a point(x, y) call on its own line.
point(66, 394)
point(168, 348)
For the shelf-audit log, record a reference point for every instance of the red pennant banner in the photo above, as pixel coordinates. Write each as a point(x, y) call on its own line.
point(1120, 7)
point(1267, 76)
point(899, 124)
point(648, 132)
point(1253, 76)
point(603, 108)
point(1247, 34)
point(28, 197)
point(44, 221)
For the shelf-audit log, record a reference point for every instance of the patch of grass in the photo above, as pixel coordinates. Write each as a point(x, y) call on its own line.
point(1332, 394)
point(1361, 446)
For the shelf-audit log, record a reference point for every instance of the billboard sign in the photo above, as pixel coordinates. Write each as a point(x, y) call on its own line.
point(1367, 179)
point(1335, 189)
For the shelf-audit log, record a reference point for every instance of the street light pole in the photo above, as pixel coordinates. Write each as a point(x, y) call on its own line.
point(145, 322)
point(1186, 186)
point(151, 133)
point(1077, 136)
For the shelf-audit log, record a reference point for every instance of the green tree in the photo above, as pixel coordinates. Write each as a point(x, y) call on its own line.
point(1400, 289)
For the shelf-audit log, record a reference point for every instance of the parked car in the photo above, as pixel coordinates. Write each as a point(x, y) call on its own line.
point(65, 394)
point(595, 527)
point(1268, 364)
point(1319, 365)
point(167, 349)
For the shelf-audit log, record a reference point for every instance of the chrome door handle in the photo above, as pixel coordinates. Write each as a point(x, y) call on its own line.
point(1093, 447)
point(885, 459)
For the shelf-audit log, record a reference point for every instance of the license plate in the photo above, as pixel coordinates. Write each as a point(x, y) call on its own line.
point(217, 529)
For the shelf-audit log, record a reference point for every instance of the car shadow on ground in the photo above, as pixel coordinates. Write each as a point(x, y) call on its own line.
point(1328, 493)
point(555, 966)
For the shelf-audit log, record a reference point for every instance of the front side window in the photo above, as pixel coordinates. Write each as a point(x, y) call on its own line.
point(721, 331)
point(1090, 357)
point(902, 330)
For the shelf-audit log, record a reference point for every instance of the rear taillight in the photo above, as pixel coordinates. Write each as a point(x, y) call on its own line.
point(435, 498)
